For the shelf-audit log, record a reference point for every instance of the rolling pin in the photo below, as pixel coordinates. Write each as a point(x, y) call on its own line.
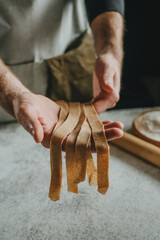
point(139, 147)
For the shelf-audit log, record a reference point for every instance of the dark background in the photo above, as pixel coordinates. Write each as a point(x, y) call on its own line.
point(142, 55)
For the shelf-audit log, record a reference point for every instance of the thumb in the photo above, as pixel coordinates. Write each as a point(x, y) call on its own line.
point(29, 120)
point(106, 81)
point(105, 75)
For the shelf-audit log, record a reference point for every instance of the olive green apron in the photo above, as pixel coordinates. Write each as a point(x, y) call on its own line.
point(70, 77)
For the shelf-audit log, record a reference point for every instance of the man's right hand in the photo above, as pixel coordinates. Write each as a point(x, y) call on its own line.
point(37, 114)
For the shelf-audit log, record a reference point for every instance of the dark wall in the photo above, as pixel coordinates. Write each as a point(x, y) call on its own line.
point(142, 53)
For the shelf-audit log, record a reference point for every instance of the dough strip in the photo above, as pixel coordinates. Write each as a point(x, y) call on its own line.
point(91, 168)
point(62, 117)
point(102, 148)
point(56, 153)
point(71, 157)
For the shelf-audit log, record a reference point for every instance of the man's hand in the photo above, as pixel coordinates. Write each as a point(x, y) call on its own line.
point(113, 130)
point(107, 31)
point(37, 114)
point(106, 82)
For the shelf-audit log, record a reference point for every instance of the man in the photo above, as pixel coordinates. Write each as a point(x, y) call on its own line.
point(32, 31)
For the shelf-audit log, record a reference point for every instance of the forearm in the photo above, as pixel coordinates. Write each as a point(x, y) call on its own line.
point(107, 29)
point(10, 87)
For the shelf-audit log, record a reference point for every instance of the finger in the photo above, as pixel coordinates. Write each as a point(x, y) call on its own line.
point(46, 144)
point(29, 120)
point(105, 101)
point(101, 105)
point(31, 129)
point(107, 125)
point(107, 122)
point(47, 137)
point(106, 81)
point(107, 84)
point(105, 75)
point(115, 124)
point(113, 133)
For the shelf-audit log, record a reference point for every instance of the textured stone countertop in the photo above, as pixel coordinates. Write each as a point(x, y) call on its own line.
point(129, 211)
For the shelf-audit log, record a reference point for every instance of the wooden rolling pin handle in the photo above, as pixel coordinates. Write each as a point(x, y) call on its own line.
point(139, 147)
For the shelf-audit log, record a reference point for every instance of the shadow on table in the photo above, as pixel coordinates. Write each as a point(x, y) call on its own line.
point(4, 125)
point(136, 162)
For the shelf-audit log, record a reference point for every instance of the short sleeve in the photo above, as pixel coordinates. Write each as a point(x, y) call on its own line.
point(96, 7)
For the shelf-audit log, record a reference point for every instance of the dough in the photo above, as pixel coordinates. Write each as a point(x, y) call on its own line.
point(71, 161)
point(102, 148)
point(78, 122)
point(56, 150)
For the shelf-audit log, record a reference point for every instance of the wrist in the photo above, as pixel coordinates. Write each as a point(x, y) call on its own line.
point(15, 99)
point(107, 31)
point(10, 88)
point(113, 53)
point(110, 59)
point(17, 93)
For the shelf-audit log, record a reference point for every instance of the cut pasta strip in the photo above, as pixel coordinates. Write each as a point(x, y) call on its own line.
point(62, 117)
point(56, 154)
point(71, 157)
point(63, 113)
point(91, 168)
point(81, 152)
point(101, 145)
point(76, 123)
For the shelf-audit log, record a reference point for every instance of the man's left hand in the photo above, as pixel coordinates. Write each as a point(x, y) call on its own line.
point(106, 82)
